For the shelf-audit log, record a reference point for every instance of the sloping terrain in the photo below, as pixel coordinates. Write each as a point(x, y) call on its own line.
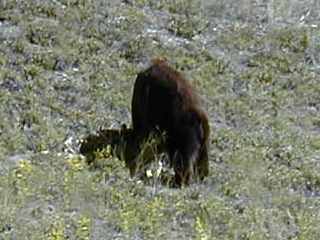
point(67, 67)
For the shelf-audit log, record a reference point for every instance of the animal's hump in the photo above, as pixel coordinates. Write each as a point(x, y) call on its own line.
point(159, 61)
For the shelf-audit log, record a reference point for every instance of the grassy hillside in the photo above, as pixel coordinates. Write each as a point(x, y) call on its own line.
point(67, 67)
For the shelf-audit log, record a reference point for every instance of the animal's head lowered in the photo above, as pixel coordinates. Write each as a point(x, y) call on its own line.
point(122, 143)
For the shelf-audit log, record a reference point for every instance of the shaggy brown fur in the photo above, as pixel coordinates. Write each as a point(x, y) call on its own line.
point(164, 101)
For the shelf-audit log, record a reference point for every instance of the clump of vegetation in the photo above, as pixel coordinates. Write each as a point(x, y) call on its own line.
point(186, 26)
point(292, 39)
point(187, 18)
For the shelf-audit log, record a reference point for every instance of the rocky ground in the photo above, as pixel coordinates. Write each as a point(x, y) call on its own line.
point(67, 67)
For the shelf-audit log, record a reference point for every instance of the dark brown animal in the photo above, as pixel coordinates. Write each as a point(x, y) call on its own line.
point(164, 101)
